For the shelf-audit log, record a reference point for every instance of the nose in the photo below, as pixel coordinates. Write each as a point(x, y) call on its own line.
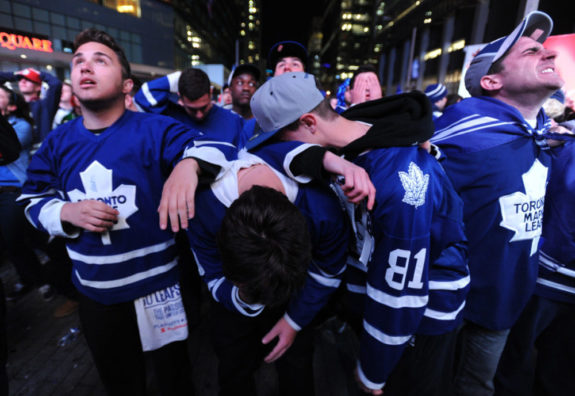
point(550, 53)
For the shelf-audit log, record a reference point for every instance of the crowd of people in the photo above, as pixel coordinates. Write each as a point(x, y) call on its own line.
point(416, 219)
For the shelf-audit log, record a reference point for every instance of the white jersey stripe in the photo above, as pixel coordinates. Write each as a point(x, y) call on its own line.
point(396, 302)
point(118, 258)
point(384, 338)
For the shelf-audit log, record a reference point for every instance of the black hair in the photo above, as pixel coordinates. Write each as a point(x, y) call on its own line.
point(22, 107)
point(193, 84)
point(265, 246)
point(367, 68)
point(99, 36)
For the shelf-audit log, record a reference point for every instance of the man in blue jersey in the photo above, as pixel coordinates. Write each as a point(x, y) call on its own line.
point(415, 218)
point(270, 266)
point(97, 181)
point(186, 96)
point(497, 157)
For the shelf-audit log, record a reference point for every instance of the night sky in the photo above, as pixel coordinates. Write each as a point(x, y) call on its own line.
point(287, 20)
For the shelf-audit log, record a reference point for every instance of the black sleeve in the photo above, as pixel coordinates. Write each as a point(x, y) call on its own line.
point(208, 171)
point(310, 163)
point(9, 144)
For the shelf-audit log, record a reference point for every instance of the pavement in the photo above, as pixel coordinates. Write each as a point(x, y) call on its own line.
point(48, 356)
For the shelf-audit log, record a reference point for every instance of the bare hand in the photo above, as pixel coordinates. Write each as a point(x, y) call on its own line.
point(365, 87)
point(178, 194)
point(356, 182)
point(365, 388)
point(90, 215)
point(286, 335)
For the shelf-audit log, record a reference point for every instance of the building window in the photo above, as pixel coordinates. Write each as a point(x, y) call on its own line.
point(131, 7)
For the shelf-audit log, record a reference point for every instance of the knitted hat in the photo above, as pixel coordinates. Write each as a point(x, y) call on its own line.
point(436, 92)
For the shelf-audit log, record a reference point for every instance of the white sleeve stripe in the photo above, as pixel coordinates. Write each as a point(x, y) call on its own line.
point(290, 321)
point(383, 337)
point(148, 95)
point(551, 264)
point(289, 158)
point(174, 79)
point(214, 285)
point(358, 289)
point(325, 281)
point(128, 279)
point(119, 258)
point(244, 308)
point(365, 381)
point(439, 315)
point(37, 197)
point(557, 286)
point(449, 285)
point(219, 143)
point(396, 302)
point(201, 269)
point(49, 217)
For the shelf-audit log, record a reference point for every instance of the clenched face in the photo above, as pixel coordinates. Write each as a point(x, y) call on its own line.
point(96, 76)
point(529, 68)
point(197, 109)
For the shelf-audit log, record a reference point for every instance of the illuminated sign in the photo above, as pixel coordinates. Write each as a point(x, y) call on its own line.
point(13, 41)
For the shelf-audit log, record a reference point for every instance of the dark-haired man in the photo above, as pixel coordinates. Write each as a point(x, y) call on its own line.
point(186, 96)
point(498, 159)
point(244, 82)
point(266, 279)
point(365, 85)
point(97, 181)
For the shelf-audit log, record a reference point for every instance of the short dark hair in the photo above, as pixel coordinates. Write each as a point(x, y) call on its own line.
point(367, 68)
point(323, 110)
point(265, 246)
point(99, 36)
point(193, 84)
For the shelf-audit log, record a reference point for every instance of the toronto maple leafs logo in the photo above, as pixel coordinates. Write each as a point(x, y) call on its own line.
point(523, 213)
point(415, 184)
point(97, 182)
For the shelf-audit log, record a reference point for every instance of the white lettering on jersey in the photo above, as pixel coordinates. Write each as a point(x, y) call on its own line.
point(97, 182)
point(523, 213)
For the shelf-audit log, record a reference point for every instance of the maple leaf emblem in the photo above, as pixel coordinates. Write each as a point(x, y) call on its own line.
point(523, 213)
point(415, 184)
point(97, 182)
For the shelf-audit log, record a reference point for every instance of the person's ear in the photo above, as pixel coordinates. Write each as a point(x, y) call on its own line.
point(127, 85)
point(309, 121)
point(491, 82)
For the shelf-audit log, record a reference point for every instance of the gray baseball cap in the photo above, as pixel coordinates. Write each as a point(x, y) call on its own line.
point(537, 25)
point(281, 101)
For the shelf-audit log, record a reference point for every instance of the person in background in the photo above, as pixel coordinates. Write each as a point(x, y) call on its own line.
point(15, 230)
point(65, 107)
point(243, 84)
point(44, 106)
point(365, 85)
point(437, 94)
point(287, 56)
point(453, 99)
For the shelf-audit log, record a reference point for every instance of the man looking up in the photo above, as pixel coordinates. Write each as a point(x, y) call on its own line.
point(498, 159)
point(193, 106)
point(287, 56)
point(243, 84)
point(97, 181)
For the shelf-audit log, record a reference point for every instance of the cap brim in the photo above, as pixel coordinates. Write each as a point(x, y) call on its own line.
point(260, 137)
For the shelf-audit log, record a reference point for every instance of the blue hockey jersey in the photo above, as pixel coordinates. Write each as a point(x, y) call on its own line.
point(556, 279)
point(328, 231)
point(499, 165)
point(159, 96)
point(125, 167)
point(417, 218)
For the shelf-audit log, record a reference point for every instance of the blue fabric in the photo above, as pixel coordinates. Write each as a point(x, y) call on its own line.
point(14, 174)
point(125, 166)
point(499, 165)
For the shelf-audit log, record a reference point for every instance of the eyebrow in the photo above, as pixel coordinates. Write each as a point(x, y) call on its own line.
point(98, 53)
